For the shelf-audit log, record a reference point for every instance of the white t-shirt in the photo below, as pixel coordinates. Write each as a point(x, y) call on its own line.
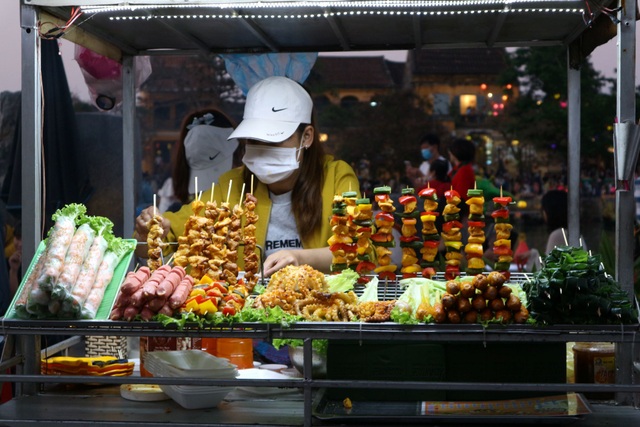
point(166, 195)
point(557, 238)
point(282, 232)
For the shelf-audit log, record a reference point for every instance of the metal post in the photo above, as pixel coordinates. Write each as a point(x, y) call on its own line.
point(128, 144)
point(573, 85)
point(31, 123)
point(625, 203)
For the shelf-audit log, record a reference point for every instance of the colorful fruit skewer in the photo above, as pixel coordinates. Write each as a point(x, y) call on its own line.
point(350, 199)
point(452, 234)
point(383, 238)
point(340, 241)
point(502, 244)
point(409, 241)
point(474, 249)
point(363, 219)
point(430, 235)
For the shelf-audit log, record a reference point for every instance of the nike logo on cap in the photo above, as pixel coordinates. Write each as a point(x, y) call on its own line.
point(211, 158)
point(276, 110)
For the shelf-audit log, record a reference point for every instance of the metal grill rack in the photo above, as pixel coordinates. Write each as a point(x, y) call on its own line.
point(392, 289)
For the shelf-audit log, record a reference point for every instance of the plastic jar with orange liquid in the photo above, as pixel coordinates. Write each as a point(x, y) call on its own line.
point(238, 351)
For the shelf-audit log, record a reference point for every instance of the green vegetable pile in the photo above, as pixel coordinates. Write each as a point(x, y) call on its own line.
point(573, 288)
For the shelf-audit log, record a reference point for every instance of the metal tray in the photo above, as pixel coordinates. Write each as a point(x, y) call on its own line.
point(559, 409)
point(109, 294)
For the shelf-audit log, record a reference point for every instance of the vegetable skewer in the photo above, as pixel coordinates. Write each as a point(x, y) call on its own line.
point(430, 235)
point(474, 249)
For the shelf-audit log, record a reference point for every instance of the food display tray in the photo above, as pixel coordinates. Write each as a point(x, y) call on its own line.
point(109, 294)
point(558, 409)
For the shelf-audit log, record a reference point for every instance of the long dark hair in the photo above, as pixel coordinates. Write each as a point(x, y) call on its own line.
point(180, 172)
point(555, 205)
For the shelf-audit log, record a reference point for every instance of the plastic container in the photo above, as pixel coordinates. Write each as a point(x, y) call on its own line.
point(238, 351)
point(210, 345)
point(148, 344)
point(595, 363)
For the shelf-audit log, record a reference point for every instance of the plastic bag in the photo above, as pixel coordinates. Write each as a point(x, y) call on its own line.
point(103, 76)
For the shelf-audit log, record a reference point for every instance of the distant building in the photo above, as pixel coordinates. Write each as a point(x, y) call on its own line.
point(460, 82)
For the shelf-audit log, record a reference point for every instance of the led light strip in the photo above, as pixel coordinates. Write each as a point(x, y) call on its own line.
point(325, 4)
point(342, 14)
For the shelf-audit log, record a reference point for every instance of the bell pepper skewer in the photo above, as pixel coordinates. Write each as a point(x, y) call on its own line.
point(409, 241)
point(452, 235)
point(430, 234)
point(383, 237)
point(365, 253)
point(502, 244)
point(474, 249)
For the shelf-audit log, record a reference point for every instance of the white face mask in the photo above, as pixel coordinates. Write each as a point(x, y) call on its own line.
point(271, 164)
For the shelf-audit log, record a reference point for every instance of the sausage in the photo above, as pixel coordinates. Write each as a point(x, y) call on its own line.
point(136, 298)
point(179, 296)
point(146, 313)
point(156, 303)
point(134, 280)
point(166, 310)
point(149, 287)
point(170, 282)
point(130, 312)
point(116, 313)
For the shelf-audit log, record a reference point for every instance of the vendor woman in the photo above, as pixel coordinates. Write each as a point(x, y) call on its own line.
point(294, 181)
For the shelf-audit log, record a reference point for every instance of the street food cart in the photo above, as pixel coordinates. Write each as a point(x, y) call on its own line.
point(123, 30)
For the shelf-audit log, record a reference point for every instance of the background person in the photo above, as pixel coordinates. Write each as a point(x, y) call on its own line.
point(202, 151)
point(555, 212)
point(462, 154)
point(429, 153)
point(295, 181)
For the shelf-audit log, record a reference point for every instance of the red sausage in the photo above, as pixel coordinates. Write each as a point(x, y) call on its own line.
point(179, 296)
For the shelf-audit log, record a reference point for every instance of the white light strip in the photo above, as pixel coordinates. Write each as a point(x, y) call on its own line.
point(324, 4)
point(343, 14)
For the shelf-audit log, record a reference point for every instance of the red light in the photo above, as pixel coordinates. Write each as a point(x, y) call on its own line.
point(483, 86)
point(509, 86)
point(563, 104)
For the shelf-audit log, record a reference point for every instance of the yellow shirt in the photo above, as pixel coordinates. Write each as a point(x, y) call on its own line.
point(338, 178)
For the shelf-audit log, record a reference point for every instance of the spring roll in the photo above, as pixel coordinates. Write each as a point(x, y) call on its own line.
point(58, 242)
point(118, 248)
point(89, 270)
point(76, 254)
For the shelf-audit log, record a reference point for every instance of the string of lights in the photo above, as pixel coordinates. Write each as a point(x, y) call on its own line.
point(468, 6)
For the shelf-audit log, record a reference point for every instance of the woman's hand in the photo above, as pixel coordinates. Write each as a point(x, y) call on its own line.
point(141, 228)
point(279, 260)
point(318, 258)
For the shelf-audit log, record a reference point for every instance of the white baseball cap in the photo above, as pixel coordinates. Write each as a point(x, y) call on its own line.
point(275, 107)
point(209, 154)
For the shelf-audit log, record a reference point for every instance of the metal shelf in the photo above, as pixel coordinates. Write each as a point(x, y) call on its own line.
point(335, 330)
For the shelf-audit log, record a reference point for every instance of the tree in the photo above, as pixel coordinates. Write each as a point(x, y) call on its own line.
point(539, 116)
point(386, 130)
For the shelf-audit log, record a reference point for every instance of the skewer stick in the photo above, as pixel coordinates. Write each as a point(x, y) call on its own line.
point(242, 195)
point(501, 191)
point(564, 234)
point(251, 183)
point(199, 196)
point(154, 205)
point(229, 191)
point(213, 185)
point(196, 187)
point(170, 260)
